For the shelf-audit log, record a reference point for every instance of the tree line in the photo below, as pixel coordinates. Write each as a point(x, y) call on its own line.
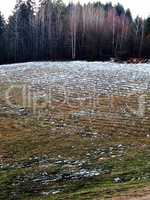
point(56, 31)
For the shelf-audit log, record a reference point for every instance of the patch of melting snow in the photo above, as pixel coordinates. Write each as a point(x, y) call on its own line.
point(45, 178)
point(70, 170)
point(83, 113)
point(104, 77)
point(42, 161)
point(45, 161)
point(110, 152)
point(51, 192)
point(117, 180)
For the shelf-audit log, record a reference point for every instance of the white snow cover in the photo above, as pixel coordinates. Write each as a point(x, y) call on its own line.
point(106, 77)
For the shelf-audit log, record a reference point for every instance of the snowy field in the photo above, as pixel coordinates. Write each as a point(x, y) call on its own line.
point(106, 77)
point(73, 130)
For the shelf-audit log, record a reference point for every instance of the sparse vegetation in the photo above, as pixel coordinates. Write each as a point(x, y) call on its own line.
point(72, 152)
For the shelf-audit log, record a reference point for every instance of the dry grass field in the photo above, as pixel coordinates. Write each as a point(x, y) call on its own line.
point(73, 141)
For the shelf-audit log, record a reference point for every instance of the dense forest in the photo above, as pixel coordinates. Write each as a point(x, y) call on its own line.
point(56, 31)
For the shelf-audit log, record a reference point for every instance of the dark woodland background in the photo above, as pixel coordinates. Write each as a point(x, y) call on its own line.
point(56, 31)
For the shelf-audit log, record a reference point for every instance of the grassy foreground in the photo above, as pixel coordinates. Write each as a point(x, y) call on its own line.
point(61, 152)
